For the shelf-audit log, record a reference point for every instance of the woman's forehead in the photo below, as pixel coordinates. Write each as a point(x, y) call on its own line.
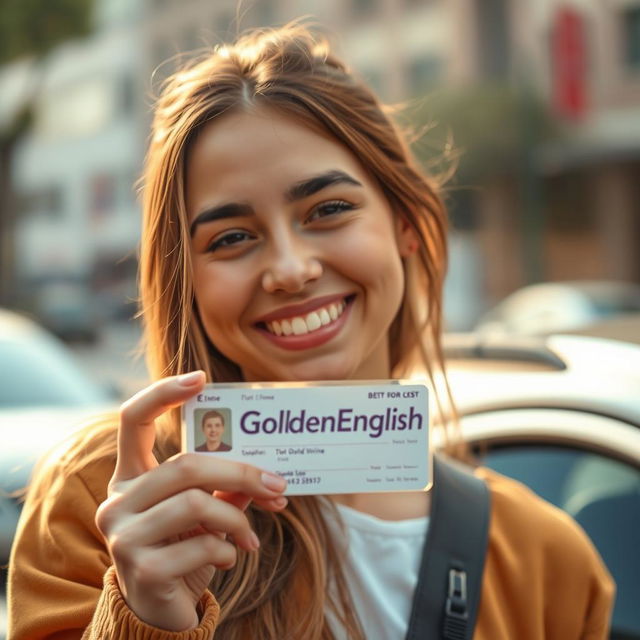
point(247, 152)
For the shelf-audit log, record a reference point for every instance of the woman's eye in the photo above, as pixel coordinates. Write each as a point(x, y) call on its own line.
point(229, 240)
point(327, 209)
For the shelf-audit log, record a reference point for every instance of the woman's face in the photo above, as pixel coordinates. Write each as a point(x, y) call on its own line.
point(296, 253)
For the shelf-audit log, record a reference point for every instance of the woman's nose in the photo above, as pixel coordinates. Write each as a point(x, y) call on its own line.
point(291, 266)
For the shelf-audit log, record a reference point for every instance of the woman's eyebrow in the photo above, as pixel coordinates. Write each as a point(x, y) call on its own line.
point(230, 210)
point(308, 187)
point(298, 191)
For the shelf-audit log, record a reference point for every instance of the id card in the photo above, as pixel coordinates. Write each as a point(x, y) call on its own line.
point(323, 437)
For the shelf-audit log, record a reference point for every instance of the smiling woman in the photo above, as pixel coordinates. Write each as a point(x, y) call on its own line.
point(290, 238)
point(288, 235)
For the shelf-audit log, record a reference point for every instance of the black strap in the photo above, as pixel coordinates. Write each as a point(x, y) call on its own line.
point(445, 603)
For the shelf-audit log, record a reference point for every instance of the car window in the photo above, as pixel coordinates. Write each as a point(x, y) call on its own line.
point(37, 372)
point(603, 495)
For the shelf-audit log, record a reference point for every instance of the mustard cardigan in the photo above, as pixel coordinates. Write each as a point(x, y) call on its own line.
point(543, 579)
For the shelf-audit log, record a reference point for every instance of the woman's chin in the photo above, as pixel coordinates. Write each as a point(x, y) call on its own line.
point(329, 369)
point(343, 364)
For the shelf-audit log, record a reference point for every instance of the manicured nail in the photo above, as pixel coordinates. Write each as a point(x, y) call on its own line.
point(273, 482)
point(190, 379)
point(255, 543)
point(281, 502)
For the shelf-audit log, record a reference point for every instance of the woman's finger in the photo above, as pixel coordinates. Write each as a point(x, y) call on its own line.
point(241, 501)
point(136, 434)
point(188, 510)
point(274, 504)
point(192, 470)
point(181, 558)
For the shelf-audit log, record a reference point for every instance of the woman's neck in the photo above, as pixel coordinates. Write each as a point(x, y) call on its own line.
point(388, 506)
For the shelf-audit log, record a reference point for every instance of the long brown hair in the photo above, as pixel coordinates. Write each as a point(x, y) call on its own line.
point(284, 591)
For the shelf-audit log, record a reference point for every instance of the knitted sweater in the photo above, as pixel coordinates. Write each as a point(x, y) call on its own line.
point(543, 578)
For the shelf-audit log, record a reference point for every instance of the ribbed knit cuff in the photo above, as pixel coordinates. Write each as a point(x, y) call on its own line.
point(114, 619)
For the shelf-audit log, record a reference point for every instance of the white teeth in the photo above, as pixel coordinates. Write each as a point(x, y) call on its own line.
point(276, 328)
point(311, 322)
point(286, 327)
point(299, 326)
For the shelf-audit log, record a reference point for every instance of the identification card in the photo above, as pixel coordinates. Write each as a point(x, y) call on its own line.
point(323, 437)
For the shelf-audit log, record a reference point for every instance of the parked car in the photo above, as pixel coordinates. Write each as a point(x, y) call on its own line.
point(68, 309)
point(36, 369)
point(562, 415)
point(44, 394)
point(554, 307)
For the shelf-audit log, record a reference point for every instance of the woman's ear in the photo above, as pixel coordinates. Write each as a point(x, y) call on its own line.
point(406, 237)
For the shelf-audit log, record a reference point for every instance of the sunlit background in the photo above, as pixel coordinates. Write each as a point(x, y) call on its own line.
point(534, 102)
point(539, 101)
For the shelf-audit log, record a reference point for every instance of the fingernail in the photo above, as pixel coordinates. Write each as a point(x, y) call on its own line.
point(253, 539)
point(273, 482)
point(189, 379)
point(281, 502)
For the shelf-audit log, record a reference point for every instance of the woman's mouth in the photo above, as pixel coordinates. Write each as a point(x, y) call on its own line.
point(310, 329)
point(301, 325)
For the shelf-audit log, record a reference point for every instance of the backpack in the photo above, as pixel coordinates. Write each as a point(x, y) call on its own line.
point(445, 602)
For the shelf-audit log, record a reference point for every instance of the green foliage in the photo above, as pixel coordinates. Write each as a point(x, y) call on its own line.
point(491, 127)
point(34, 27)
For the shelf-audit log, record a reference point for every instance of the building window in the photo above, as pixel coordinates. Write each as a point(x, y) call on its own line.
point(363, 8)
point(102, 195)
point(493, 38)
point(128, 90)
point(463, 210)
point(46, 202)
point(417, 4)
point(631, 21)
point(570, 207)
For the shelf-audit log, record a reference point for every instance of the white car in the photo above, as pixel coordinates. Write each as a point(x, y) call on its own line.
point(562, 415)
point(555, 307)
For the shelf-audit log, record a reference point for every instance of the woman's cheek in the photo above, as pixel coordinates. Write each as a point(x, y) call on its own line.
point(220, 291)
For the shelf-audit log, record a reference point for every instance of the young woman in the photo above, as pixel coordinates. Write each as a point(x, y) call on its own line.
point(288, 235)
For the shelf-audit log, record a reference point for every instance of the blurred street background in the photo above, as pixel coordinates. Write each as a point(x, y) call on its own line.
point(529, 108)
point(536, 104)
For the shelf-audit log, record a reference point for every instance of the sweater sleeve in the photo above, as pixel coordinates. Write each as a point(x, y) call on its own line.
point(114, 619)
point(60, 582)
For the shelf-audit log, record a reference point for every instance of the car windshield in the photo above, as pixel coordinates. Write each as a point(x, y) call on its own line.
point(36, 371)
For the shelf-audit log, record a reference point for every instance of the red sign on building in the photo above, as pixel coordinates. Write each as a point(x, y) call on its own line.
point(569, 64)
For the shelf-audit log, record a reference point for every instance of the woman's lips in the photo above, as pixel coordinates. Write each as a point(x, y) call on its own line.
point(311, 330)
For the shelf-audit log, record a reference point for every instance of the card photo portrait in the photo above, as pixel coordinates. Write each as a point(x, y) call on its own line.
point(212, 429)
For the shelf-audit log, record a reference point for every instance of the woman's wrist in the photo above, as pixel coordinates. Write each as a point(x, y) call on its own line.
point(115, 617)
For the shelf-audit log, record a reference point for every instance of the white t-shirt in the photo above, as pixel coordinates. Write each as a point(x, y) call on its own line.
point(382, 564)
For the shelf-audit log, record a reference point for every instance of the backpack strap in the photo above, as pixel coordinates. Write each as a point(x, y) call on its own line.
point(445, 602)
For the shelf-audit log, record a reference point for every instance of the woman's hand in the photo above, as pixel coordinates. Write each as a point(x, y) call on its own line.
point(166, 525)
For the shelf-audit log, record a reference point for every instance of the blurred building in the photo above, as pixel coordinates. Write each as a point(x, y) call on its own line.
point(75, 172)
point(541, 99)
